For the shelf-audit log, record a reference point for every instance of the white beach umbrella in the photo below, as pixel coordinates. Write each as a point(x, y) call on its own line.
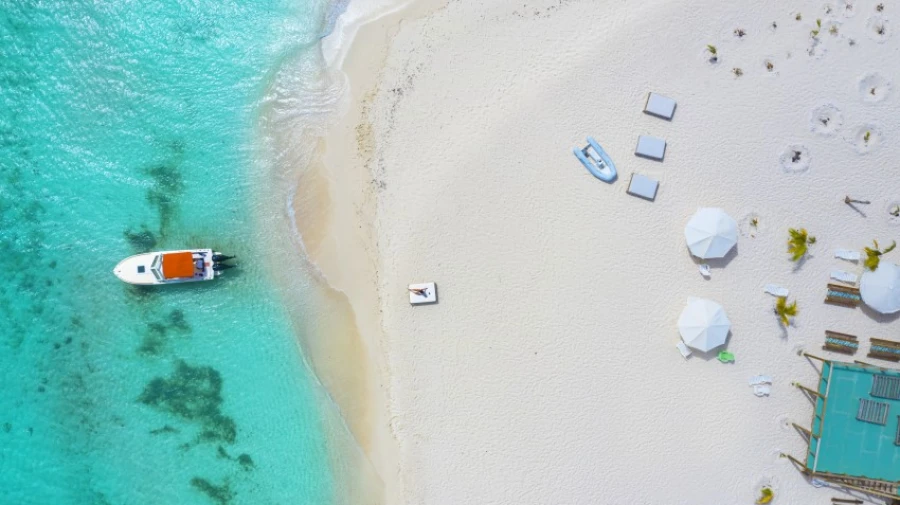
point(703, 324)
point(881, 289)
point(711, 233)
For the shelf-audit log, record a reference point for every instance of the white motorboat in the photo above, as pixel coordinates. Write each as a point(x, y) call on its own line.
point(171, 267)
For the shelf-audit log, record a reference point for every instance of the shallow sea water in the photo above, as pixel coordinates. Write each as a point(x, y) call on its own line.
point(126, 127)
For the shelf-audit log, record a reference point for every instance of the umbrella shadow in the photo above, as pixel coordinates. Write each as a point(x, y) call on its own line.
point(878, 316)
point(715, 263)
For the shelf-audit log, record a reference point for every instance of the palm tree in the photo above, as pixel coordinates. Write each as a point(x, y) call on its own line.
point(785, 310)
point(799, 242)
point(873, 256)
point(765, 496)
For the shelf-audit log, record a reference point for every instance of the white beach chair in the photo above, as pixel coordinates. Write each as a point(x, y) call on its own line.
point(659, 106)
point(683, 349)
point(847, 254)
point(642, 186)
point(653, 148)
point(421, 294)
point(845, 277)
point(762, 390)
point(776, 290)
point(704, 270)
point(758, 380)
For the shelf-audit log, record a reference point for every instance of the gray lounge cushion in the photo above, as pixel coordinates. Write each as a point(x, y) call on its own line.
point(650, 147)
point(659, 106)
point(643, 187)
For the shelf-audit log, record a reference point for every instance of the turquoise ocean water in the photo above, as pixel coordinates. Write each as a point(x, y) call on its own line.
point(128, 126)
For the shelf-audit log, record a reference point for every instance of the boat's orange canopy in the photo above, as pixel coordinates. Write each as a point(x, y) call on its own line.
point(175, 265)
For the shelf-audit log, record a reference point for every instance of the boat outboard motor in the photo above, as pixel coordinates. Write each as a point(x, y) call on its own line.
point(221, 266)
point(222, 257)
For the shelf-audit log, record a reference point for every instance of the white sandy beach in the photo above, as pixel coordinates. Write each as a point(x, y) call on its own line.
point(547, 372)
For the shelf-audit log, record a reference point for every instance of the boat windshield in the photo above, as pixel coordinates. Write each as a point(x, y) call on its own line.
point(155, 267)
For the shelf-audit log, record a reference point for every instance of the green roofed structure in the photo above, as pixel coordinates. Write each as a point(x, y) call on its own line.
point(854, 437)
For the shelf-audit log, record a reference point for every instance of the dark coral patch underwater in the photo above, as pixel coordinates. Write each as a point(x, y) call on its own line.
point(193, 393)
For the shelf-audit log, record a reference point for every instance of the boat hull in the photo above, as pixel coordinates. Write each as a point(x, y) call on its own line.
point(606, 172)
point(146, 269)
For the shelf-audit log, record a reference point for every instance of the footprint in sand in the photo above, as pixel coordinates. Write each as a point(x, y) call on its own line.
point(865, 138)
point(873, 87)
point(826, 120)
point(794, 159)
point(751, 225)
point(878, 28)
point(784, 422)
point(893, 208)
point(816, 48)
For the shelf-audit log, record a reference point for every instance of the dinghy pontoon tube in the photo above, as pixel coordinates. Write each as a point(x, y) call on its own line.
point(595, 159)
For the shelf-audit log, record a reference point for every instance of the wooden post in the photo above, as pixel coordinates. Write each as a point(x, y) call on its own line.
point(796, 462)
point(810, 391)
point(801, 428)
point(808, 355)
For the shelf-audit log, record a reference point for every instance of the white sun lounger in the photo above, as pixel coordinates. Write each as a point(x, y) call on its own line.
point(428, 293)
point(845, 277)
point(704, 270)
point(643, 187)
point(776, 290)
point(683, 349)
point(659, 106)
point(760, 379)
point(846, 254)
point(762, 390)
point(653, 148)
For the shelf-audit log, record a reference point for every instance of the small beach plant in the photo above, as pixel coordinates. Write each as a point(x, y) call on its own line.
point(754, 222)
point(895, 211)
point(739, 33)
point(798, 17)
point(765, 496)
point(867, 136)
point(774, 25)
point(770, 66)
point(815, 33)
point(737, 72)
point(799, 242)
point(873, 255)
point(833, 30)
point(785, 311)
point(879, 7)
point(714, 53)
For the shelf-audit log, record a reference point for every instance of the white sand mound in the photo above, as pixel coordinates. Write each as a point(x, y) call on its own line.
point(873, 87)
point(826, 120)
